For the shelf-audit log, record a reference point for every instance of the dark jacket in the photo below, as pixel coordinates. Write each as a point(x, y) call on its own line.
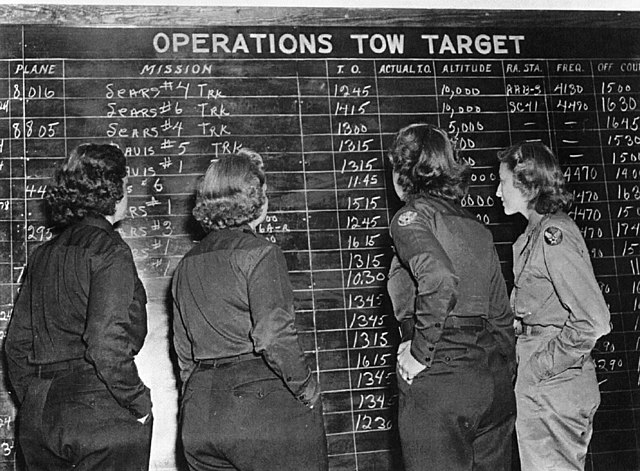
point(232, 296)
point(445, 264)
point(82, 298)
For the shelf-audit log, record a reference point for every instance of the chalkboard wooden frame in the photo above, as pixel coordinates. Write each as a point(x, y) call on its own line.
point(132, 15)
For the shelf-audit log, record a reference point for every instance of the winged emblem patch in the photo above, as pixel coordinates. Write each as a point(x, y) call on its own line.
point(552, 235)
point(407, 218)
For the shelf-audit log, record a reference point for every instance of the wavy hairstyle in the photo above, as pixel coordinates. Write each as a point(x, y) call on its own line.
point(89, 182)
point(536, 172)
point(231, 192)
point(426, 163)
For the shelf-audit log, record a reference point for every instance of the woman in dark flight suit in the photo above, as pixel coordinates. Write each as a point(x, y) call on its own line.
point(456, 359)
point(78, 322)
point(249, 401)
point(560, 313)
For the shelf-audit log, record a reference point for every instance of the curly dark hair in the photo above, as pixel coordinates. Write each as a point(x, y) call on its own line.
point(537, 172)
point(231, 192)
point(426, 163)
point(90, 182)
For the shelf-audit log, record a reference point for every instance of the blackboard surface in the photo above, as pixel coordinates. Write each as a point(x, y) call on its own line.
point(321, 103)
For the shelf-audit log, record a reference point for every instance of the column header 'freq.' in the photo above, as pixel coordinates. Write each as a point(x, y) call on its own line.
point(290, 44)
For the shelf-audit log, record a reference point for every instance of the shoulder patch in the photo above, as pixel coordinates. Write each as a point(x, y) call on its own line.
point(407, 218)
point(552, 235)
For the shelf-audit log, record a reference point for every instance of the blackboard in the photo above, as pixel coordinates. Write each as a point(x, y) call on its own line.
point(321, 102)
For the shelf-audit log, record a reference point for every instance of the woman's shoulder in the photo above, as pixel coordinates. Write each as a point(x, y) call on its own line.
point(561, 220)
point(95, 235)
point(238, 238)
point(414, 207)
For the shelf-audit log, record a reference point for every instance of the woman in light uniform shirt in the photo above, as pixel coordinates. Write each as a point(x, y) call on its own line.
point(560, 313)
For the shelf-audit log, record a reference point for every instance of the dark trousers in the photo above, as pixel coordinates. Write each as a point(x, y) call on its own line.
point(459, 415)
point(240, 416)
point(70, 421)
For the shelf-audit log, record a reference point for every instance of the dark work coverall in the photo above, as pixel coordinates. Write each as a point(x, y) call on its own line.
point(79, 320)
point(449, 294)
point(245, 402)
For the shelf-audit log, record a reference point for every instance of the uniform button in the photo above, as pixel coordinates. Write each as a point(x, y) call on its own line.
point(432, 349)
point(447, 358)
point(289, 378)
point(437, 324)
point(427, 360)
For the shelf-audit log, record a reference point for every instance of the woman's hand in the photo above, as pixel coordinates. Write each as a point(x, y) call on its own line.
point(408, 367)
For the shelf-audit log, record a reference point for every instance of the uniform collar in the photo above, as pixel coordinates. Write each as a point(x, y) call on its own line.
point(535, 219)
point(246, 228)
point(96, 221)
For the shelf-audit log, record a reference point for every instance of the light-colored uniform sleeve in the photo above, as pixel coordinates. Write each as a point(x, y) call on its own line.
point(571, 273)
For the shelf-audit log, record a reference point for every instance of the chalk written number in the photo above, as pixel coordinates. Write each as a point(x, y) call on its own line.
point(346, 109)
point(374, 378)
point(357, 260)
point(345, 127)
point(581, 173)
point(367, 180)
point(374, 401)
point(623, 140)
point(366, 422)
point(33, 92)
point(349, 165)
point(363, 202)
point(602, 364)
point(614, 87)
point(365, 278)
point(360, 301)
point(373, 339)
point(7, 448)
point(31, 130)
point(39, 233)
point(368, 240)
point(363, 320)
point(351, 145)
point(346, 90)
point(621, 103)
point(369, 222)
point(628, 210)
point(368, 360)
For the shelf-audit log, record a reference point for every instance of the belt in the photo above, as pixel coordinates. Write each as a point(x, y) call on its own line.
point(534, 329)
point(218, 362)
point(49, 370)
point(460, 322)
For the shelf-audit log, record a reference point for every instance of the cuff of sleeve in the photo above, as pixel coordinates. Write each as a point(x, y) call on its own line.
point(141, 406)
point(423, 353)
point(296, 384)
point(406, 329)
point(310, 393)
